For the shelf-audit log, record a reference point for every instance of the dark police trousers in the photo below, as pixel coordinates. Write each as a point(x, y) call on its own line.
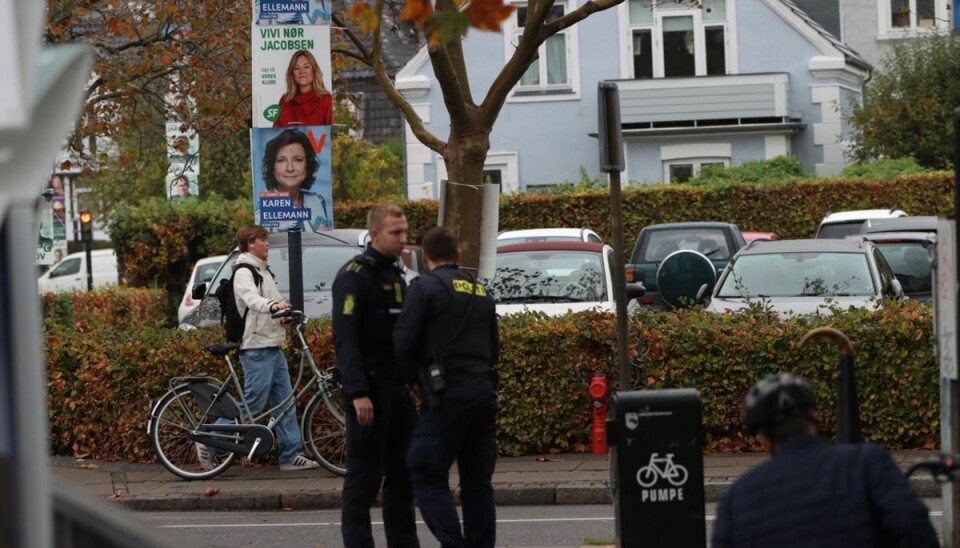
point(376, 454)
point(462, 427)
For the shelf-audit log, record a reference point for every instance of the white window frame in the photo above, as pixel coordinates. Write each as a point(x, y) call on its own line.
point(672, 9)
point(695, 154)
point(886, 31)
point(543, 91)
point(697, 164)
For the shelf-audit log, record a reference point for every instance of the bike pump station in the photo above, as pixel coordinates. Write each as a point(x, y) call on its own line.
point(656, 468)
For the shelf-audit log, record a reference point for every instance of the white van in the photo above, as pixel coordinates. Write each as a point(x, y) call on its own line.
point(70, 274)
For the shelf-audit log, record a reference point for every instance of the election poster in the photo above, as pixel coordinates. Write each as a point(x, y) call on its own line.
point(182, 179)
point(291, 76)
point(292, 187)
point(287, 12)
point(52, 239)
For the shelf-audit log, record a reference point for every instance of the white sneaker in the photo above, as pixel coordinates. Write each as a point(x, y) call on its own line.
point(299, 463)
point(206, 456)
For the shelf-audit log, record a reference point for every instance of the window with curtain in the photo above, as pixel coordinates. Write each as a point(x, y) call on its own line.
point(551, 69)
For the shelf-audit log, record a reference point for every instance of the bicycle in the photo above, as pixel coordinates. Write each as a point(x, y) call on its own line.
point(662, 468)
point(188, 414)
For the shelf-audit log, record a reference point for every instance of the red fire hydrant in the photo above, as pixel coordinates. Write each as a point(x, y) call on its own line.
point(599, 391)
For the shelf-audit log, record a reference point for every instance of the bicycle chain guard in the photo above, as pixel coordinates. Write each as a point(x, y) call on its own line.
point(256, 440)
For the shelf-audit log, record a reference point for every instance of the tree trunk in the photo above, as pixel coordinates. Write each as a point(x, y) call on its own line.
point(464, 157)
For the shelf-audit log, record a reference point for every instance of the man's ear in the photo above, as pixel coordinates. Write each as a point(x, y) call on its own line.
point(457, 260)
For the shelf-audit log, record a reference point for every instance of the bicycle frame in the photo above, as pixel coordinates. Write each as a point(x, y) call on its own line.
point(278, 411)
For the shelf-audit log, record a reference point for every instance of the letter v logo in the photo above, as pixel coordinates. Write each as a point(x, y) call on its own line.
point(317, 147)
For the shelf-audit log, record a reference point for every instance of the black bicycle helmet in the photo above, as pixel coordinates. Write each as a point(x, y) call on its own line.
point(776, 400)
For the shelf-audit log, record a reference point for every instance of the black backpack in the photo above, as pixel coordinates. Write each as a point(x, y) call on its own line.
point(231, 320)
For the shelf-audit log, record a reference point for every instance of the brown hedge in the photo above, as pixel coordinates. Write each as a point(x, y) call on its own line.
point(101, 382)
point(110, 308)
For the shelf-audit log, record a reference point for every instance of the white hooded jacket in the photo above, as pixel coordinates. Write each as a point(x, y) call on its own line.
point(260, 331)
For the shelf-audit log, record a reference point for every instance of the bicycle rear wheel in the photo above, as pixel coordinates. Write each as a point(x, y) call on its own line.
point(324, 430)
point(176, 414)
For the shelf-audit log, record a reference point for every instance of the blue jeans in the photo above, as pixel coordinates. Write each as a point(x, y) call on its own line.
point(266, 375)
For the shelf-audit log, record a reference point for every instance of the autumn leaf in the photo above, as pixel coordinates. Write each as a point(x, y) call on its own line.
point(211, 491)
point(417, 11)
point(367, 18)
point(488, 15)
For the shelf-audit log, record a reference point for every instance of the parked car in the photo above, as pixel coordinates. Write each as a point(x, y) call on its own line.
point(323, 255)
point(203, 272)
point(555, 278)
point(803, 276)
point(716, 241)
point(70, 274)
point(511, 237)
point(760, 236)
point(910, 255)
point(846, 223)
point(924, 223)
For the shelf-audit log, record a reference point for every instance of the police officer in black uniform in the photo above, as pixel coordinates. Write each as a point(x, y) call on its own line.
point(367, 297)
point(449, 319)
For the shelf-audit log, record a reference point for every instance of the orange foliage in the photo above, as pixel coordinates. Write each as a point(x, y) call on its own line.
point(487, 15)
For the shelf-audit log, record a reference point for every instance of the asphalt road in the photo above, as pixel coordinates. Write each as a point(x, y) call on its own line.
point(517, 526)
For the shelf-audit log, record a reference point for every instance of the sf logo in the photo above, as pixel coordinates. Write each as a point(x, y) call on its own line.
point(271, 113)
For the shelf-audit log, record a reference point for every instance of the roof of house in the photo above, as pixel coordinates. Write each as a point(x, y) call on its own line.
point(849, 54)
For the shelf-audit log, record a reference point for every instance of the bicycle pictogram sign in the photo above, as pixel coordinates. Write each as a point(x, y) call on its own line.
point(662, 468)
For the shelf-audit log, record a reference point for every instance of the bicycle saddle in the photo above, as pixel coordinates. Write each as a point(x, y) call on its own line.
point(221, 349)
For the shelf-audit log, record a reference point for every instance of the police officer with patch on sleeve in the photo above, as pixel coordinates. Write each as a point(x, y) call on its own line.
point(449, 319)
point(368, 294)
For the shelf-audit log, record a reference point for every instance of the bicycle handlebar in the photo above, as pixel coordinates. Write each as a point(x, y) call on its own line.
point(289, 313)
point(944, 469)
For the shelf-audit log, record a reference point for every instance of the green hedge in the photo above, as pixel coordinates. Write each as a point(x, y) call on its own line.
point(101, 382)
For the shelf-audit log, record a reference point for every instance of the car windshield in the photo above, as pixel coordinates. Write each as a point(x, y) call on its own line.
point(711, 242)
point(910, 263)
point(546, 275)
point(320, 266)
point(832, 274)
point(530, 239)
point(839, 231)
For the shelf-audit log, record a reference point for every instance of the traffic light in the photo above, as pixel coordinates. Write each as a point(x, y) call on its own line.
point(86, 226)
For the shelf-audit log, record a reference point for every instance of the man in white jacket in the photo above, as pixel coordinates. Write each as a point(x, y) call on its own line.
point(265, 372)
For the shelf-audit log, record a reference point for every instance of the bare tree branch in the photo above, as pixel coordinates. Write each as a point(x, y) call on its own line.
point(523, 55)
point(352, 54)
point(416, 124)
point(576, 16)
point(354, 39)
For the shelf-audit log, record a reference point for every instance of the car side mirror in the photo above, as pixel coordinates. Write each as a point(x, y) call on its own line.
point(635, 291)
point(703, 294)
point(896, 289)
point(198, 291)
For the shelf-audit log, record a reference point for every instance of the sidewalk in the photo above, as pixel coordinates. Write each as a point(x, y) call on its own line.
point(543, 480)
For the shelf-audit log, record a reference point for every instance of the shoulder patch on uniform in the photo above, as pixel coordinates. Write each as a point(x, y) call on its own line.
point(354, 266)
point(348, 304)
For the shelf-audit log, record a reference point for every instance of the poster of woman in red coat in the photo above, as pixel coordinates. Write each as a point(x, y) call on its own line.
point(307, 102)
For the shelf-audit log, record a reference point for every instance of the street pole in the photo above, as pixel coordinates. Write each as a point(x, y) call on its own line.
point(610, 135)
point(295, 251)
point(949, 387)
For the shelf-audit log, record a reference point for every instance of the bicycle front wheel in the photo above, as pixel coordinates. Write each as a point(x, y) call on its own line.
point(176, 414)
point(325, 432)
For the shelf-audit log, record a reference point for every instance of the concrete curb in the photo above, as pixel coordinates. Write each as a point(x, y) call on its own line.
point(505, 495)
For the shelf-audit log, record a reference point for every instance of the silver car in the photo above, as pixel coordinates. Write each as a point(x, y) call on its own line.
point(792, 277)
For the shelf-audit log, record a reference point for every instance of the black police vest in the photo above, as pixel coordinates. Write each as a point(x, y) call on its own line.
point(473, 344)
point(385, 290)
